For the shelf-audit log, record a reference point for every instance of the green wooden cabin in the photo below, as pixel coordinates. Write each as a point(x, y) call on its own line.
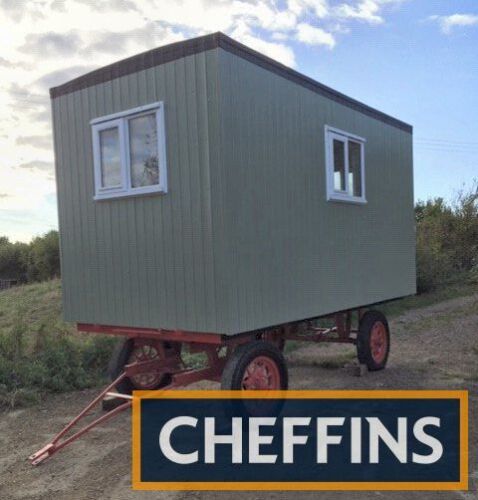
point(205, 187)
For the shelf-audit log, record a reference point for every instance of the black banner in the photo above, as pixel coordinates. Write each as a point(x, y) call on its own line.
point(300, 440)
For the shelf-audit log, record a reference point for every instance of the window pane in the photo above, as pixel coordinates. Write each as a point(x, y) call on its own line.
point(355, 169)
point(143, 144)
point(110, 158)
point(339, 165)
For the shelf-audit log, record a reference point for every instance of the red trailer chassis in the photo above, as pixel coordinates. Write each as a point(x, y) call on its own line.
point(156, 362)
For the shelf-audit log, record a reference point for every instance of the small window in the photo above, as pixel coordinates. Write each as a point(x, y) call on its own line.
point(129, 152)
point(345, 166)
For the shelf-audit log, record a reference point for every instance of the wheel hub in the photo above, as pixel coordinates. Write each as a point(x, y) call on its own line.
point(262, 373)
point(378, 342)
point(141, 353)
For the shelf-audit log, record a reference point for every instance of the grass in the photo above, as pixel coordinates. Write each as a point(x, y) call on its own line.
point(37, 304)
point(337, 361)
point(41, 353)
point(448, 291)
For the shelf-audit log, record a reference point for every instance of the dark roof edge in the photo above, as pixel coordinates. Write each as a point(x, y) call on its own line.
point(265, 62)
point(145, 60)
point(177, 50)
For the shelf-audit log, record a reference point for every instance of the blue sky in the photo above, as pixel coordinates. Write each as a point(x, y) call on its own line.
point(414, 59)
point(408, 67)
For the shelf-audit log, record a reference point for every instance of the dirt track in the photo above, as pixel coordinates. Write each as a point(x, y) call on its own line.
point(433, 348)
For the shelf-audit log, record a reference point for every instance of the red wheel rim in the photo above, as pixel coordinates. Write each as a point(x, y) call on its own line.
point(262, 373)
point(378, 342)
point(145, 352)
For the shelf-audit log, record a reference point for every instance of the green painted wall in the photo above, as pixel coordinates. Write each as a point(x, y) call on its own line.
point(244, 238)
point(146, 260)
point(289, 253)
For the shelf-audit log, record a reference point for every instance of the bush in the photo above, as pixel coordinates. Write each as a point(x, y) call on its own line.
point(52, 361)
point(447, 239)
point(36, 261)
point(44, 257)
point(13, 260)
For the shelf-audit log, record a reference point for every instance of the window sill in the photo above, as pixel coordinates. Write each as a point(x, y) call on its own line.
point(132, 192)
point(355, 200)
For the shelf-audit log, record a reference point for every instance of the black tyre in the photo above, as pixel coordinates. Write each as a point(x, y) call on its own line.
point(373, 340)
point(266, 358)
point(128, 351)
point(257, 365)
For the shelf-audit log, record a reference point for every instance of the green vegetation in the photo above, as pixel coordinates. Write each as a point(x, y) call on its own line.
point(464, 285)
point(41, 353)
point(447, 240)
point(337, 361)
point(38, 260)
point(447, 251)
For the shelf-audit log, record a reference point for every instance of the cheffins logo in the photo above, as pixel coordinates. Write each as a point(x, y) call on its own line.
point(300, 440)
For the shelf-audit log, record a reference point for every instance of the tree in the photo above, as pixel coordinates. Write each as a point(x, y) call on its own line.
point(44, 258)
point(447, 238)
point(13, 260)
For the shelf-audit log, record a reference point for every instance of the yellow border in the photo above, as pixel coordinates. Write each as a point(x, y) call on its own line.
point(295, 394)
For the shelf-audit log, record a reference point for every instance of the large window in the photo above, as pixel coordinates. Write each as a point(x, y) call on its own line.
point(345, 166)
point(129, 152)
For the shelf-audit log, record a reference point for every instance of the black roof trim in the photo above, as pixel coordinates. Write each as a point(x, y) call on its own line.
point(177, 50)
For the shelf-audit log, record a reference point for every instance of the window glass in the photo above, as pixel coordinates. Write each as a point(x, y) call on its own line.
point(143, 144)
point(355, 174)
point(339, 165)
point(110, 158)
point(129, 152)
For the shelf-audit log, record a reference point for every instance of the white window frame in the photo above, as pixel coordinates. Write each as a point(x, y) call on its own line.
point(333, 194)
point(121, 121)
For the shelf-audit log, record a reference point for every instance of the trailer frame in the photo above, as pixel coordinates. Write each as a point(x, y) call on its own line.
point(167, 365)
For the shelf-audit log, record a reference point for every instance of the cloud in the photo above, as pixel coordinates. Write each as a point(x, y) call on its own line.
point(24, 224)
point(448, 23)
point(319, 8)
point(52, 44)
point(35, 141)
point(15, 9)
point(42, 116)
point(111, 42)
point(280, 36)
point(264, 15)
point(108, 5)
point(369, 11)
point(60, 76)
point(150, 35)
point(46, 43)
point(34, 107)
point(44, 166)
point(314, 36)
point(21, 93)
point(5, 63)
point(276, 50)
point(18, 10)
point(27, 189)
point(366, 10)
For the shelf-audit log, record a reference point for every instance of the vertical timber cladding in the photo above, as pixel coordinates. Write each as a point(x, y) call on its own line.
point(293, 254)
point(142, 261)
point(244, 237)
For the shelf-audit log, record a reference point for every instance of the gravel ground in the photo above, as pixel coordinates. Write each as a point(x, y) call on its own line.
point(432, 348)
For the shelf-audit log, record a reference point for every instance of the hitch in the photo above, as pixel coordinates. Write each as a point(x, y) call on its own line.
point(59, 441)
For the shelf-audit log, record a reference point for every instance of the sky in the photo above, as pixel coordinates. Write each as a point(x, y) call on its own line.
point(414, 59)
